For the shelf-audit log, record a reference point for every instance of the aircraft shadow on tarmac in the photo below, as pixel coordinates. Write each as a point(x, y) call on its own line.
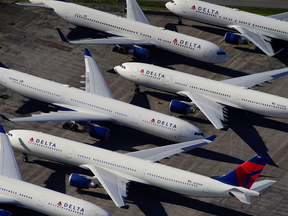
point(149, 200)
point(31, 106)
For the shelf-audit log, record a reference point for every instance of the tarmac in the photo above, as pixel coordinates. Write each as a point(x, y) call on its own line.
point(30, 43)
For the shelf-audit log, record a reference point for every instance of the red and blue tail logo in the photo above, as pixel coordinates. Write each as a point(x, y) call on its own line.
point(246, 174)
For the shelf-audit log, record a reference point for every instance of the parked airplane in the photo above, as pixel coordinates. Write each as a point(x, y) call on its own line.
point(14, 191)
point(114, 170)
point(260, 30)
point(94, 104)
point(211, 97)
point(132, 32)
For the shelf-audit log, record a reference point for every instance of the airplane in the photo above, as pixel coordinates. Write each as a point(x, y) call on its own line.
point(132, 32)
point(262, 31)
point(96, 103)
point(114, 170)
point(213, 98)
point(13, 190)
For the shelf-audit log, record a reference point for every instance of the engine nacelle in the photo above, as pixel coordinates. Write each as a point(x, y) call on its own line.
point(98, 132)
point(179, 107)
point(139, 52)
point(5, 213)
point(235, 39)
point(81, 181)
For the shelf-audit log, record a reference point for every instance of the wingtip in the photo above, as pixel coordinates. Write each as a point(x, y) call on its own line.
point(211, 138)
point(86, 52)
point(4, 117)
point(2, 130)
point(63, 38)
point(3, 66)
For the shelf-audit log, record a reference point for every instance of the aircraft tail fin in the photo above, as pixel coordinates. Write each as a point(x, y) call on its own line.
point(246, 174)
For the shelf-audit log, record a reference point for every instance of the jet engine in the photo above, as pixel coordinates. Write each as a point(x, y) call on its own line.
point(82, 181)
point(99, 132)
point(235, 39)
point(139, 52)
point(181, 108)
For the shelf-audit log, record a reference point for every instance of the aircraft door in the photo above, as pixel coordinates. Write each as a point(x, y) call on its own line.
point(184, 7)
point(92, 213)
point(182, 132)
point(67, 13)
point(41, 201)
point(134, 72)
point(70, 153)
point(144, 173)
point(63, 97)
point(167, 79)
point(4, 78)
point(206, 187)
point(238, 99)
point(135, 118)
point(205, 52)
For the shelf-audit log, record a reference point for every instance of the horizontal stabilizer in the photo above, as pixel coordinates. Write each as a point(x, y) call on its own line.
point(156, 154)
point(240, 195)
point(34, 5)
point(261, 185)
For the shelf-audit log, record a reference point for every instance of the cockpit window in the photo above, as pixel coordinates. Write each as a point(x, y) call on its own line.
point(221, 53)
point(198, 134)
point(122, 66)
point(172, 2)
point(9, 134)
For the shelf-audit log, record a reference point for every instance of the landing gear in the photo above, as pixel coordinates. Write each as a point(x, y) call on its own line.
point(179, 21)
point(119, 49)
point(25, 158)
point(70, 126)
point(137, 90)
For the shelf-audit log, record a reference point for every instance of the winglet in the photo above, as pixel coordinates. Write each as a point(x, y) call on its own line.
point(3, 66)
point(2, 130)
point(63, 38)
point(276, 76)
point(86, 52)
point(211, 138)
point(246, 174)
point(4, 117)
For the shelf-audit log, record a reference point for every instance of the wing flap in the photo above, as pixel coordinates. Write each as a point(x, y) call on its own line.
point(113, 184)
point(259, 40)
point(212, 110)
point(156, 154)
point(8, 164)
point(134, 12)
point(95, 82)
point(255, 79)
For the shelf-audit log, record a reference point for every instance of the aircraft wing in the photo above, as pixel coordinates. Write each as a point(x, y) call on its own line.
point(34, 5)
point(62, 116)
point(110, 40)
point(94, 82)
point(156, 154)
point(212, 110)
point(113, 184)
point(256, 79)
point(282, 16)
point(8, 164)
point(259, 40)
point(134, 12)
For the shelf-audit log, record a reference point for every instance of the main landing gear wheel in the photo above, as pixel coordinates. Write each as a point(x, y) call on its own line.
point(137, 90)
point(70, 126)
point(25, 158)
point(179, 21)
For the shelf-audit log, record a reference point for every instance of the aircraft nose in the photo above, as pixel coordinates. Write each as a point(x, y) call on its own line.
point(168, 6)
point(116, 69)
point(221, 56)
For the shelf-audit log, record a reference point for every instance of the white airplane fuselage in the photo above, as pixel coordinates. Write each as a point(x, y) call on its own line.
point(46, 201)
point(227, 17)
point(222, 93)
point(188, 46)
point(128, 167)
point(118, 112)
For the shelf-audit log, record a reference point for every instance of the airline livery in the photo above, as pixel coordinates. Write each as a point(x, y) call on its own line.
point(213, 98)
point(14, 191)
point(114, 170)
point(260, 30)
point(96, 103)
point(132, 32)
